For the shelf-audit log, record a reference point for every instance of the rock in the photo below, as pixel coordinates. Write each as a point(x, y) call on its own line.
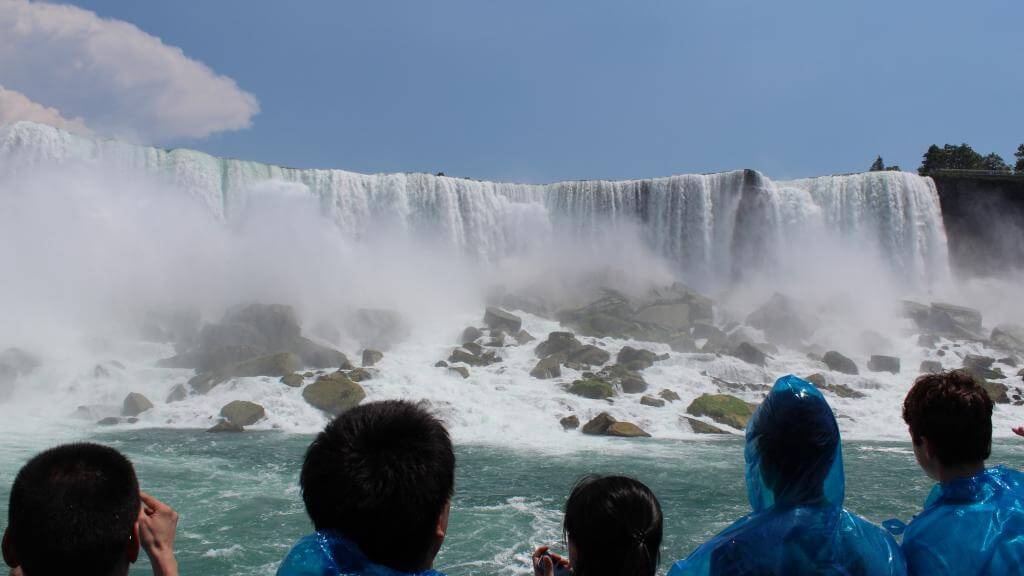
point(997, 392)
point(818, 379)
point(931, 367)
point(371, 357)
point(558, 343)
point(880, 363)
point(360, 375)
point(843, 391)
point(202, 383)
point(626, 430)
point(916, 311)
point(471, 334)
point(1005, 336)
point(975, 361)
point(652, 401)
point(981, 367)
point(334, 393)
point(636, 358)
point(178, 393)
point(466, 357)
point(440, 364)
point(592, 388)
point(549, 367)
point(669, 396)
point(700, 427)
point(682, 343)
point(1009, 361)
point(524, 337)
point(782, 320)
point(114, 421)
point(498, 319)
point(497, 339)
point(722, 408)
point(275, 323)
point(658, 316)
point(631, 382)
point(589, 354)
point(135, 404)
point(704, 330)
point(953, 321)
point(314, 355)
point(927, 340)
point(460, 370)
point(377, 328)
point(570, 422)
point(293, 380)
point(20, 360)
point(599, 424)
point(243, 412)
point(749, 353)
point(226, 426)
point(279, 364)
point(839, 363)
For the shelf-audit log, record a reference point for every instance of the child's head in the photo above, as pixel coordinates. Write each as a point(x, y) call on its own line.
point(382, 475)
point(950, 420)
point(613, 526)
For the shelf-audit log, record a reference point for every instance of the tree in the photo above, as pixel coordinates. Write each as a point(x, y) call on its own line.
point(995, 163)
point(878, 165)
point(1020, 159)
point(950, 157)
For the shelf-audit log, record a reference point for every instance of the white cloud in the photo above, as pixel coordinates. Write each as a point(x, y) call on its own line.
point(15, 106)
point(117, 78)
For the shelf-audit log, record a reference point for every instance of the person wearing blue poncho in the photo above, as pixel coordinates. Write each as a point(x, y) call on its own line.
point(377, 484)
point(973, 520)
point(796, 487)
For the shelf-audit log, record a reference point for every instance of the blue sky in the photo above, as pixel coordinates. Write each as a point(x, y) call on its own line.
point(549, 90)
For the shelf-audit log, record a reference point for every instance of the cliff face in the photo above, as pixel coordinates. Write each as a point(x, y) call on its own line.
point(984, 218)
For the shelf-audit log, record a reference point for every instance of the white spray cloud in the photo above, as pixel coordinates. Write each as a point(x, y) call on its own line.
point(111, 75)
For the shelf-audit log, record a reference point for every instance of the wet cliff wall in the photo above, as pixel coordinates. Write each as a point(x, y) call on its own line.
point(984, 220)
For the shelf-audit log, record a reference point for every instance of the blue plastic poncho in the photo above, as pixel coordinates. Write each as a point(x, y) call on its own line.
point(327, 553)
point(970, 526)
point(796, 487)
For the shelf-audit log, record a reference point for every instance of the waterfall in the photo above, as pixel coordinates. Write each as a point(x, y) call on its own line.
point(709, 226)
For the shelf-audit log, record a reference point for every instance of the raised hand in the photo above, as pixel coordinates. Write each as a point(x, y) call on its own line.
point(158, 524)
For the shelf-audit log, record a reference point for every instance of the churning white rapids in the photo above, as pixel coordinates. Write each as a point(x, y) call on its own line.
point(96, 235)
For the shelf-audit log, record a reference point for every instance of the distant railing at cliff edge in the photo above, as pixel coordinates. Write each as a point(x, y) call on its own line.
point(980, 174)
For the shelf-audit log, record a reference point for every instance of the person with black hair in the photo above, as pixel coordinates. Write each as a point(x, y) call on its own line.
point(377, 484)
point(612, 527)
point(796, 488)
point(77, 509)
point(973, 519)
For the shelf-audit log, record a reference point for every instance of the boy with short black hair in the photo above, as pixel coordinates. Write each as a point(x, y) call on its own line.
point(973, 520)
point(77, 509)
point(377, 484)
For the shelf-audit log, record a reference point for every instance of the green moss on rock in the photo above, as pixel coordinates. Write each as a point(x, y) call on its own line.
point(722, 408)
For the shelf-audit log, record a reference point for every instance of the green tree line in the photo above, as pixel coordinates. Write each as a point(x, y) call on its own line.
point(962, 157)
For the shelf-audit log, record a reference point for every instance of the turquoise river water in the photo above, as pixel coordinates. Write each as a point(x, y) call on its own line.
point(241, 508)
